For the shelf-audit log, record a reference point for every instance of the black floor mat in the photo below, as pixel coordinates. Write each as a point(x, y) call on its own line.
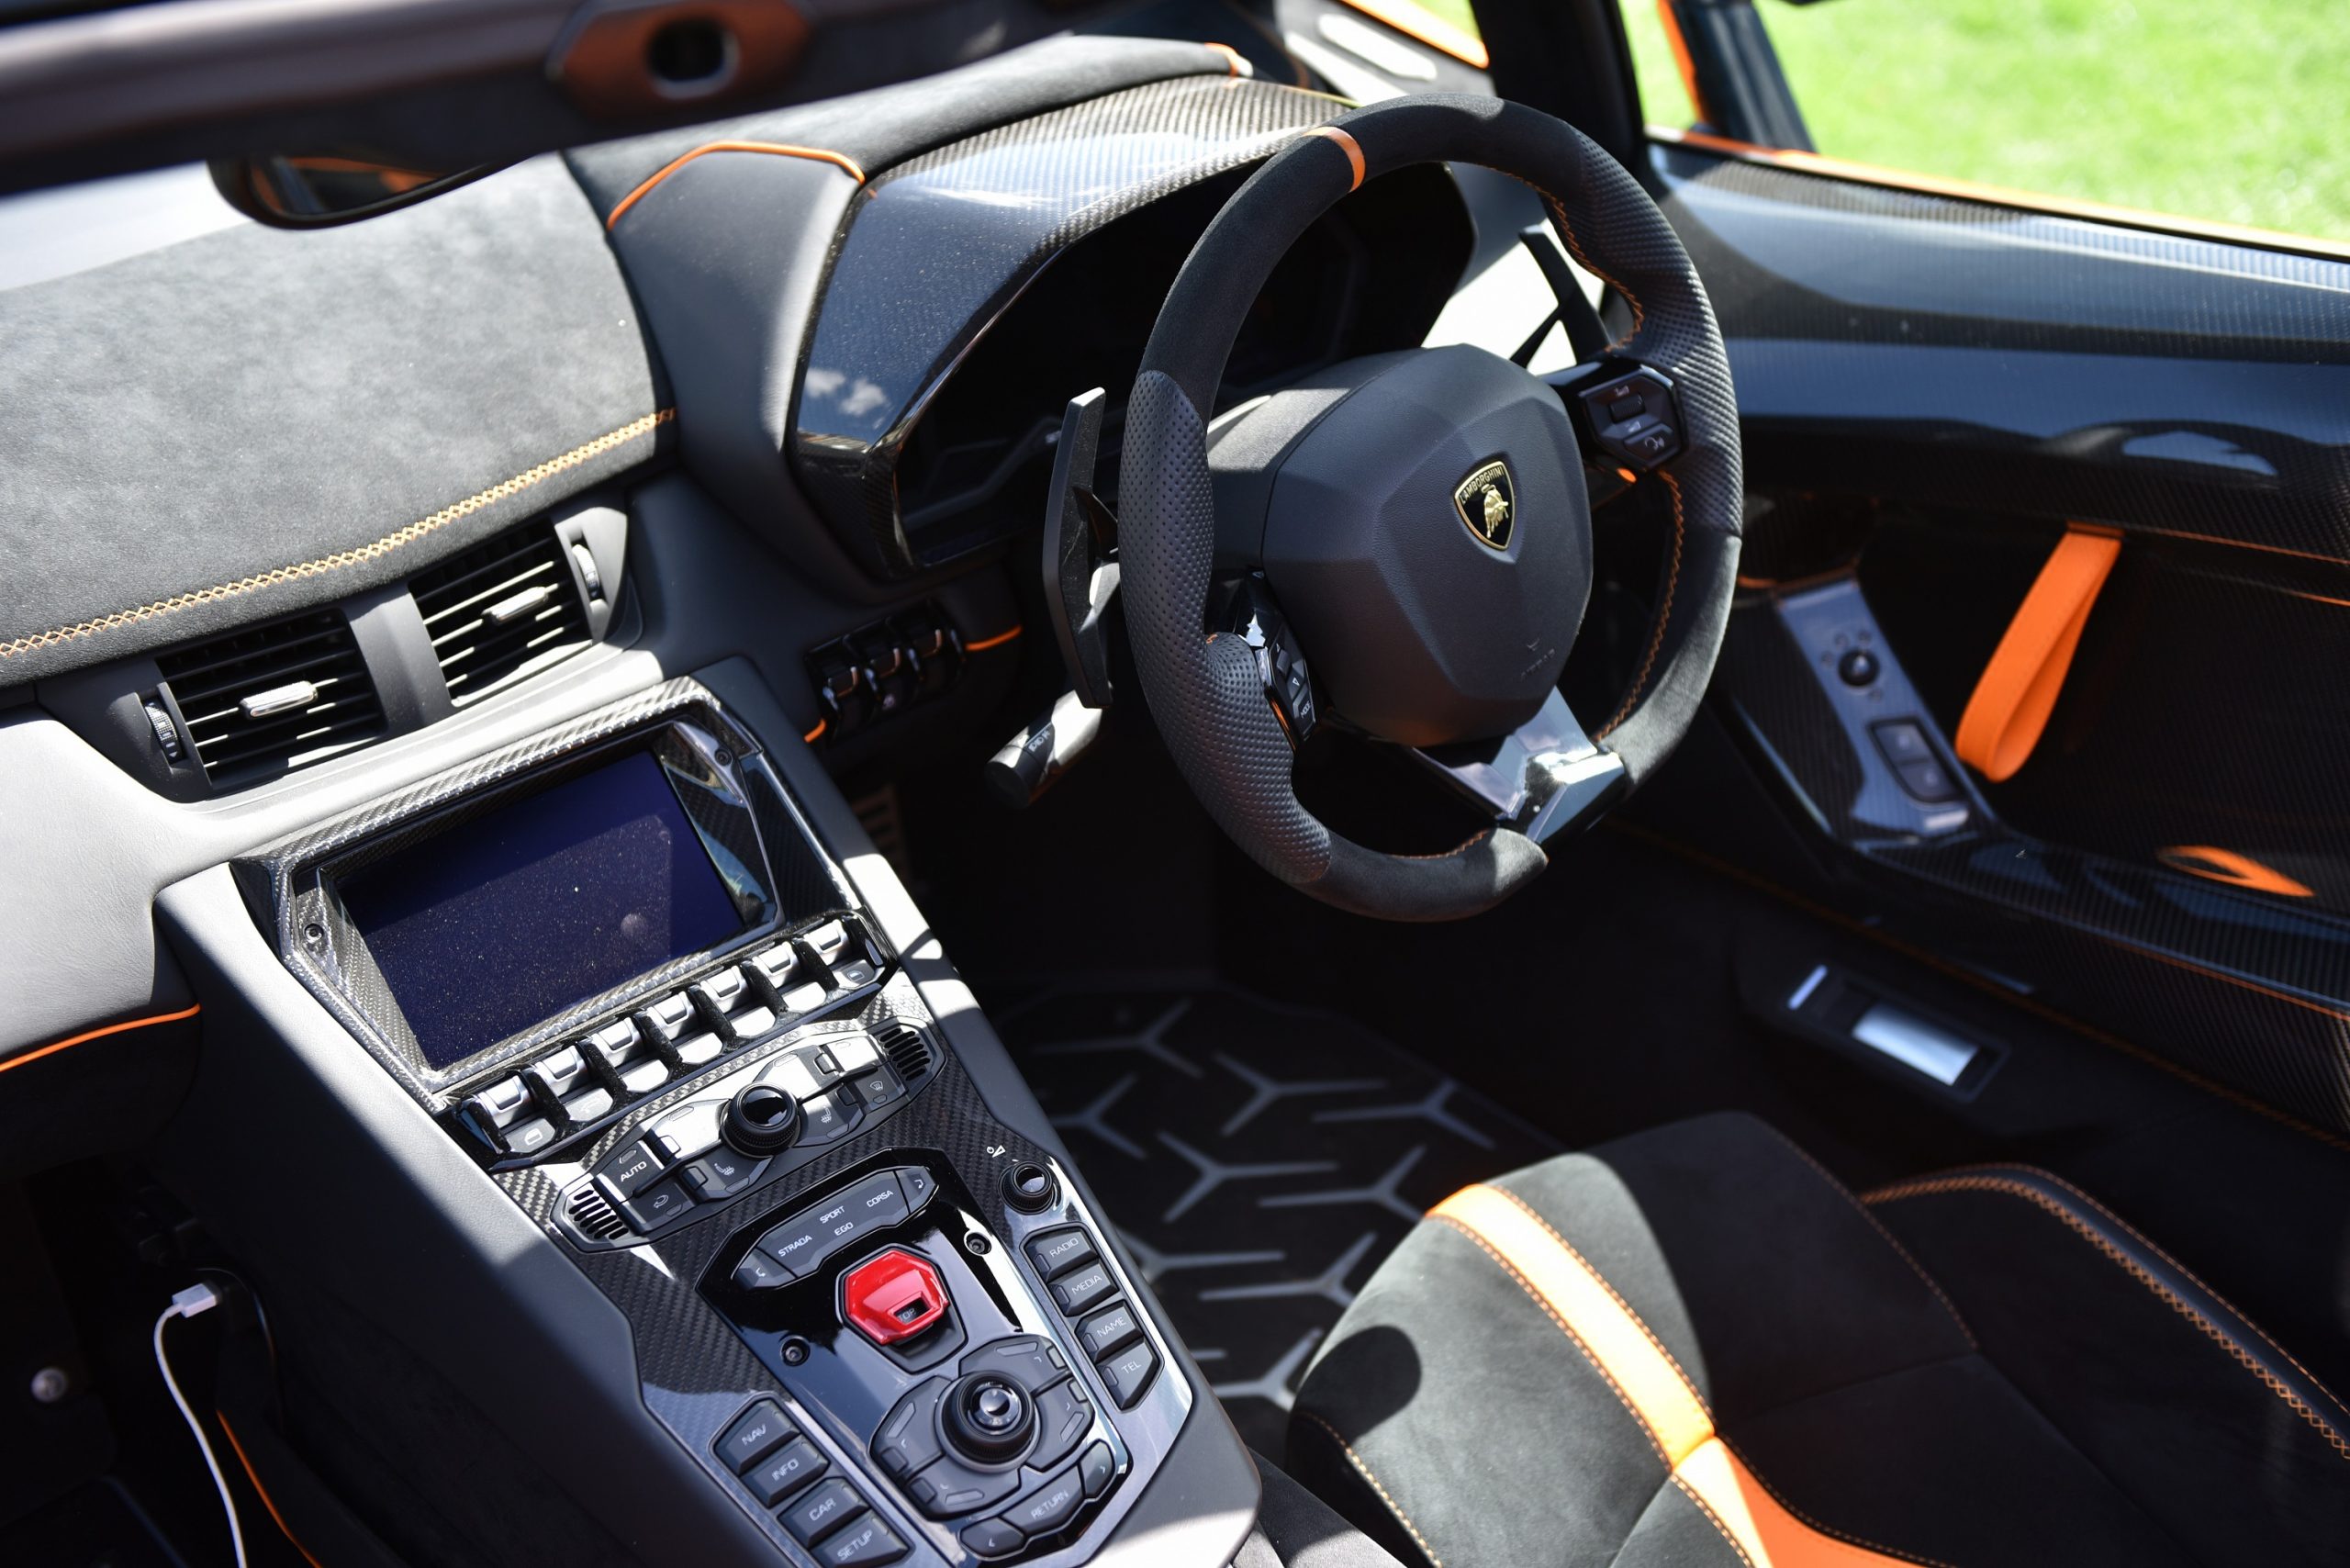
point(1260, 1160)
point(96, 1526)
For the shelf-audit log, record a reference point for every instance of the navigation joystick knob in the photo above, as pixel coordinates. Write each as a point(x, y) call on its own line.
point(988, 1417)
point(762, 1120)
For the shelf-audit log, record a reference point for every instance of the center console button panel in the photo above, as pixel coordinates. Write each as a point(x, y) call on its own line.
point(804, 1242)
point(575, 1085)
point(739, 1131)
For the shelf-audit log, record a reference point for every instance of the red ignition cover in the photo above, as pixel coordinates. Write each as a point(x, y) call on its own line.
point(891, 1298)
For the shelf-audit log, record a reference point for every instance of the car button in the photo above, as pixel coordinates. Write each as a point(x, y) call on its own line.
point(824, 1508)
point(1055, 1252)
point(894, 1297)
point(756, 1433)
point(721, 1173)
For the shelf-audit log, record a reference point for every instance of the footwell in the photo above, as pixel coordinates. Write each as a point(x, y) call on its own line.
point(1258, 1160)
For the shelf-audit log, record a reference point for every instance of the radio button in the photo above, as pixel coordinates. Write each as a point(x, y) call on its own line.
point(1057, 1251)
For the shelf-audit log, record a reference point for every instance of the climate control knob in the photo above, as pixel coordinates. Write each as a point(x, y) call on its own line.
point(762, 1120)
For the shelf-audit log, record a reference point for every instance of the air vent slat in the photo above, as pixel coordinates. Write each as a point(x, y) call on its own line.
point(210, 680)
point(479, 653)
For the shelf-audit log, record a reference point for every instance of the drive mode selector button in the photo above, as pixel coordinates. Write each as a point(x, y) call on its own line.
point(988, 1417)
point(762, 1119)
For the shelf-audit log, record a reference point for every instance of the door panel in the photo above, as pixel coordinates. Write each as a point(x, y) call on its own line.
point(1933, 390)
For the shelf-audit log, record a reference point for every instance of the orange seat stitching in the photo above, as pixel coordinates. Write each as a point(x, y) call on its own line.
point(1363, 1470)
point(1609, 1286)
point(1572, 1337)
point(1938, 1185)
point(353, 557)
point(1711, 1518)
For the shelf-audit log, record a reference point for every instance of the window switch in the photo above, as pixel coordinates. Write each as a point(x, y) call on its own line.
point(1902, 741)
point(1929, 781)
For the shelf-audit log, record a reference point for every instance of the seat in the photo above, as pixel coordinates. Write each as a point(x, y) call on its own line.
point(1695, 1346)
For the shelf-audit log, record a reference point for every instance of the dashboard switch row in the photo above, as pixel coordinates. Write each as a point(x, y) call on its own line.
point(1073, 1272)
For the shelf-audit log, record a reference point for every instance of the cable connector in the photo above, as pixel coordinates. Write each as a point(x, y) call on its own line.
point(196, 1299)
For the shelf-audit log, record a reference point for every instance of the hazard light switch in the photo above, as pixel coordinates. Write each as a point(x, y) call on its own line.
point(893, 1297)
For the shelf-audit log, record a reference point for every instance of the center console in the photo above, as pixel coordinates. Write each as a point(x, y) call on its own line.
point(616, 968)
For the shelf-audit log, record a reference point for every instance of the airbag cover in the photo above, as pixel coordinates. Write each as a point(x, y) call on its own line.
point(1431, 619)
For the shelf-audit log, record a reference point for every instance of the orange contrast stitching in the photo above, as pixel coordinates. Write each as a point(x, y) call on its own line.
point(1572, 1337)
point(840, 160)
point(1385, 1496)
point(1663, 616)
point(1935, 1186)
point(1711, 1518)
point(353, 557)
point(1609, 1286)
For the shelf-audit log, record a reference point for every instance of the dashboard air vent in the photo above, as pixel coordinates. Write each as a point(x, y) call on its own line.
point(274, 697)
point(501, 611)
point(908, 1052)
point(592, 1214)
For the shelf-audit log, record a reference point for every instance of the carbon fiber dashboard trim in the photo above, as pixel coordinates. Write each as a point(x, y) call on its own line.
point(934, 250)
point(696, 1371)
point(793, 882)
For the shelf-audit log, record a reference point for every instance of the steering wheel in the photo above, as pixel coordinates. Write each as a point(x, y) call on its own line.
point(1419, 524)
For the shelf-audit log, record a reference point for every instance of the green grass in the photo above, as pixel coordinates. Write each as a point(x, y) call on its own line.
point(2232, 110)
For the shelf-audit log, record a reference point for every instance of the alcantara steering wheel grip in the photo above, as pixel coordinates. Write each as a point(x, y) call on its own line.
point(1396, 546)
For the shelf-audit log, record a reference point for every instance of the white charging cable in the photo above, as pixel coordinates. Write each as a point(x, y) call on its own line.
point(189, 1302)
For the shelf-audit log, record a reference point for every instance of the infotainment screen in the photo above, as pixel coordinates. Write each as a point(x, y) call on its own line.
point(493, 924)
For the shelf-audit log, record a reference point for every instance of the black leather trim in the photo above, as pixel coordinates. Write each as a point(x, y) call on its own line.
point(2227, 1330)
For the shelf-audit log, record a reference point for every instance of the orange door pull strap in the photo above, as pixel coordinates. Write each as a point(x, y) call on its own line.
point(2019, 689)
